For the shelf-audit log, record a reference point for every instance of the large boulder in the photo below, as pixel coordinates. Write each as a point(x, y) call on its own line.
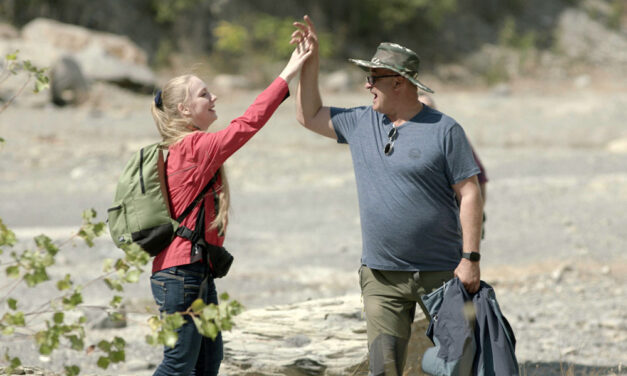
point(68, 85)
point(100, 56)
point(317, 337)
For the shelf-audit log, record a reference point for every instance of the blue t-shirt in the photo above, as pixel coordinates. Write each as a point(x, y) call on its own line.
point(409, 214)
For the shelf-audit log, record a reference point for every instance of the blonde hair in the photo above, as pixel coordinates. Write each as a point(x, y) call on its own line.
point(173, 127)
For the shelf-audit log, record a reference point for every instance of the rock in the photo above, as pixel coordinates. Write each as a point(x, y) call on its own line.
point(75, 39)
point(317, 337)
point(101, 56)
point(582, 38)
point(618, 146)
point(7, 31)
point(68, 85)
point(98, 64)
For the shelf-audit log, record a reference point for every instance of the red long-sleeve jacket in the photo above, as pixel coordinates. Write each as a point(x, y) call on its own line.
point(193, 161)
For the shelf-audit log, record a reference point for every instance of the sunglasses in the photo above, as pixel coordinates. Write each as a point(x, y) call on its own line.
point(372, 79)
point(389, 147)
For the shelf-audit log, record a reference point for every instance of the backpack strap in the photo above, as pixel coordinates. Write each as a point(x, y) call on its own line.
point(162, 180)
point(198, 198)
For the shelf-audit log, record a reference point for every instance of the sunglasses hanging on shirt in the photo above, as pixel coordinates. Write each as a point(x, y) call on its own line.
point(389, 147)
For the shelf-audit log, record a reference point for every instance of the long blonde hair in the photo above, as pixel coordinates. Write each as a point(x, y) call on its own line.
point(173, 127)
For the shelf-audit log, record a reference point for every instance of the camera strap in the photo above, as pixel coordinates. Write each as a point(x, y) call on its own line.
point(197, 236)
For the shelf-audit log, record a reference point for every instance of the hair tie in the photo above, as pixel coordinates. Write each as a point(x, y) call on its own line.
point(158, 101)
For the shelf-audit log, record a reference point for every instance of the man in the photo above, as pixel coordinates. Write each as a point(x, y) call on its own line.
point(412, 165)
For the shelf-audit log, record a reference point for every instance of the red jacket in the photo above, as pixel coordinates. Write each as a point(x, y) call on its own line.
point(193, 161)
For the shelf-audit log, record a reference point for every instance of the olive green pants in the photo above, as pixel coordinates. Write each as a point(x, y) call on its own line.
point(390, 299)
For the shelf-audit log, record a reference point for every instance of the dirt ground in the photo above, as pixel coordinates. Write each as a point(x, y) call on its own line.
point(555, 239)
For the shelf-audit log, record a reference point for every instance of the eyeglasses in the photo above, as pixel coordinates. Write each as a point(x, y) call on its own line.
point(372, 79)
point(389, 147)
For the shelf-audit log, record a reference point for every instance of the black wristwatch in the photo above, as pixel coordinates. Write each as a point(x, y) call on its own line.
point(472, 256)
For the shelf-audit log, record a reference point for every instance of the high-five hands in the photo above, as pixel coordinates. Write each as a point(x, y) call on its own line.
point(305, 35)
point(300, 54)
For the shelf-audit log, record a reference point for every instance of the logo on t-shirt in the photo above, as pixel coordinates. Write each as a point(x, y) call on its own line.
point(414, 153)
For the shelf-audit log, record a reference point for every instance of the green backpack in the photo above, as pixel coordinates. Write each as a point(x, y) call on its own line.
point(141, 210)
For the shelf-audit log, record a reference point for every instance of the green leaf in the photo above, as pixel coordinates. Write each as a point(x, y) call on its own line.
point(132, 276)
point(17, 319)
point(15, 362)
point(119, 343)
point(104, 346)
point(41, 83)
point(210, 312)
point(72, 370)
point(13, 271)
point(197, 305)
point(116, 301)
point(76, 342)
point(12, 303)
point(224, 296)
point(45, 349)
point(151, 340)
point(117, 356)
point(13, 56)
point(8, 330)
point(44, 242)
point(107, 265)
point(175, 320)
point(64, 284)
point(73, 300)
point(58, 318)
point(7, 237)
point(169, 338)
point(103, 362)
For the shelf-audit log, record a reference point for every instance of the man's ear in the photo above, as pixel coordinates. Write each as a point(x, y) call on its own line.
point(183, 109)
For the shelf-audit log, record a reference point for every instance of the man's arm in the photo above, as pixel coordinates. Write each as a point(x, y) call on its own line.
point(309, 109)
point(470, 216)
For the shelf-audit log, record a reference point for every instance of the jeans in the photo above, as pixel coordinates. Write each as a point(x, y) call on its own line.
point(174, 290)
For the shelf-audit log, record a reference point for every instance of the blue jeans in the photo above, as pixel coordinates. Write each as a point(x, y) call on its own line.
point(174, 290)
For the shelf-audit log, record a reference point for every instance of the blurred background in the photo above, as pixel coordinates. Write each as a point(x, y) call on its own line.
point(478, 42)
point(538, 85)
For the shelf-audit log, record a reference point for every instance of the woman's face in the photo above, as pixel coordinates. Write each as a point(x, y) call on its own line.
point(200, 105)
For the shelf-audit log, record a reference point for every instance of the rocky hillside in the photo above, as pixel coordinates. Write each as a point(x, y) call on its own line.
point(491, 40)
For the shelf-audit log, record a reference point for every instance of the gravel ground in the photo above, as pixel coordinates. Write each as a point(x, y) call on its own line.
point(555, 237)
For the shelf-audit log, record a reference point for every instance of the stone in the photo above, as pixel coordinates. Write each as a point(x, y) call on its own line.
point(7, 31)
point(100, 56)
point(317, 337)
point(68, 85)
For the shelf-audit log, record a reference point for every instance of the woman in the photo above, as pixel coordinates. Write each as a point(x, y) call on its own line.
point(183, 112)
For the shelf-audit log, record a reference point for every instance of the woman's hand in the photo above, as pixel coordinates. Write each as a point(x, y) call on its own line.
point(304, 49)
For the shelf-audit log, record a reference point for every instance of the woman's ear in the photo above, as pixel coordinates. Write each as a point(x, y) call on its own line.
point(183, 109)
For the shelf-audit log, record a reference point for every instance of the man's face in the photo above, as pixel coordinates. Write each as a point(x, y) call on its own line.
point(382, 88)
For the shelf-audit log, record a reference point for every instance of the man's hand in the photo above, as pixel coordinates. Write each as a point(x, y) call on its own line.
point(469, 274)
point(306, 33)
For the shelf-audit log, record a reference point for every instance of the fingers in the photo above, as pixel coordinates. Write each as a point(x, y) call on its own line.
point(310, 23)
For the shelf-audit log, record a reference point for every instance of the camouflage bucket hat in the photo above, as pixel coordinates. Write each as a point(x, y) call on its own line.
point(397, 58)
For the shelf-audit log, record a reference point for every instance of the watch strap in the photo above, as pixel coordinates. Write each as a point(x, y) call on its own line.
point(472, 256)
